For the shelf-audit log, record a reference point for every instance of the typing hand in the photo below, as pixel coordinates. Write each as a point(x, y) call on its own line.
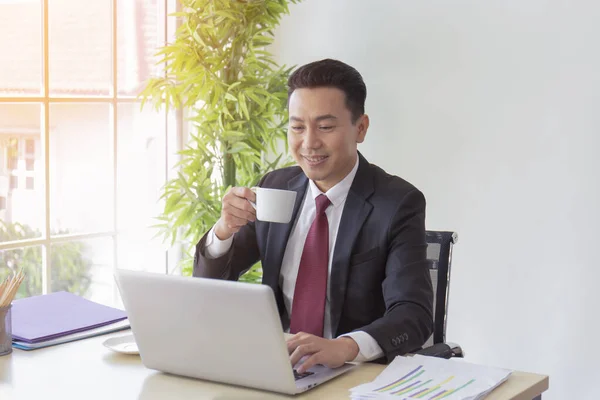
point(235, 212)
point(332, 353)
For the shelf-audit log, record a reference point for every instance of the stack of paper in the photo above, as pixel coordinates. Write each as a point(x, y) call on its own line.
point(60, 317)
point(422, 377)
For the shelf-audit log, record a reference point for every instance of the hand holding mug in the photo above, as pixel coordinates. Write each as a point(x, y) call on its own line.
point(242, 205)
point(236, 211)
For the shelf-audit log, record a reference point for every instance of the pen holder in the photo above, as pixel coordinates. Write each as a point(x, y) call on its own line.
point(5, 330)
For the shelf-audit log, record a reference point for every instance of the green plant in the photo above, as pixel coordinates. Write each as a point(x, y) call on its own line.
point(218, 68)
point(70, 272)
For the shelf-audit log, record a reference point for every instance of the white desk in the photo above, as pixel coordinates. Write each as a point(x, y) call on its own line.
point(87, 370)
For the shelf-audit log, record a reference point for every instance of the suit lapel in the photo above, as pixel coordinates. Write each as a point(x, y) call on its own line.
point(279, 233)
point(356, 211)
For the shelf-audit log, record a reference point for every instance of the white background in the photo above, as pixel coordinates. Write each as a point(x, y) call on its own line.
point(492, 109)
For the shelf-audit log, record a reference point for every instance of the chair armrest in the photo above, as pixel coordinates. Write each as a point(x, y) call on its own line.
point(442, 350)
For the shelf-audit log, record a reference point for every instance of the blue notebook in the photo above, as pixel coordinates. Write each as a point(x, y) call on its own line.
point(40, 318)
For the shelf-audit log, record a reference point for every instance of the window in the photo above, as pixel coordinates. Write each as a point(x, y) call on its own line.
point(12, 154)
point(12, 161)
point(29, 148)
point(84, 165)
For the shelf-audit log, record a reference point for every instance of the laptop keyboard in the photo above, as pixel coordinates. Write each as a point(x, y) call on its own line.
point(298, 375)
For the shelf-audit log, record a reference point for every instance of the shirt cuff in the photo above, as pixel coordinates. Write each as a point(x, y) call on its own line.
point(215, 247)
point(368, 349)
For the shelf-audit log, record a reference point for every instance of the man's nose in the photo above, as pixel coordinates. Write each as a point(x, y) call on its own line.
point(311, 139)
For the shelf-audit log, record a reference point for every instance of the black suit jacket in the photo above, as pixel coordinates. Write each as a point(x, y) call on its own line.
point(379, 281)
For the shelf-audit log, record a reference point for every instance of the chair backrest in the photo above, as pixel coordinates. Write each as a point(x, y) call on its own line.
point(439, 253)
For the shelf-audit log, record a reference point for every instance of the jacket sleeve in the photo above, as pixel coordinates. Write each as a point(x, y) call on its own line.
point(407, 289)
point(242, 255)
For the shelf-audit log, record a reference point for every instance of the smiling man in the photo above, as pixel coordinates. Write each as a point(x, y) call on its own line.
point(349, 272)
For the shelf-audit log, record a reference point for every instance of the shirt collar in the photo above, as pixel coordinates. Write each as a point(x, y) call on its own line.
point(337, 194)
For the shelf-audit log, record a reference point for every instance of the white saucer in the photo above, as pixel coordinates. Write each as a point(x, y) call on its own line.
point(122, 344)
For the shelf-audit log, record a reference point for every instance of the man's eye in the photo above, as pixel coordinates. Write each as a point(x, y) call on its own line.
point(326, 128)
point(297, 128)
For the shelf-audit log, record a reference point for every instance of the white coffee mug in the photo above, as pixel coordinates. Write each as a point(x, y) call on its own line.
point(274, 205)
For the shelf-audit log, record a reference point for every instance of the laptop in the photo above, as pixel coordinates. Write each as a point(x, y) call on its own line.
point(212, 329)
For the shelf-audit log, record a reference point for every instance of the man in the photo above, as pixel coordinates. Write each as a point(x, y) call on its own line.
point(349, 273)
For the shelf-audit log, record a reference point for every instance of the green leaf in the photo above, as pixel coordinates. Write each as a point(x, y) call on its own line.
point(238, 147)
point(256, 99)
point(236, 134)
point(226, 14)
point(234, 85)
point(243, 105)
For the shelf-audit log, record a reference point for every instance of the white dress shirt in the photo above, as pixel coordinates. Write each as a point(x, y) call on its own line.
point(368, 347)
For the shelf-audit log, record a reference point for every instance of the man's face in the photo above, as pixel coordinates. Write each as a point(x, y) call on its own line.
point(321, 136)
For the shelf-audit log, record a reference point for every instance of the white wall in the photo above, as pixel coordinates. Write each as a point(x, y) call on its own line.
point(492, 109)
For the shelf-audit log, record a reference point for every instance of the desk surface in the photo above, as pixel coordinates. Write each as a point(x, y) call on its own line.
point(87, 370)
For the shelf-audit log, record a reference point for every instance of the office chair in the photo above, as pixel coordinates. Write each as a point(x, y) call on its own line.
point(439, 253)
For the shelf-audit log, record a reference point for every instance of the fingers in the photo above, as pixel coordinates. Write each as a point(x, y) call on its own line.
point(301, 351)
point(244, 192)
point(297, 340)
point(237, 199)
point(302, 345)
point(311, 350)
point(236, 211)
point(317, 358)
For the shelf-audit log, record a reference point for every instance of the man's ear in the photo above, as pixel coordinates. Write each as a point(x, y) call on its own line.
point(363, 126)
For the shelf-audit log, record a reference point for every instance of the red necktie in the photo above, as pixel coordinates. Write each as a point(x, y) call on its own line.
point(308, 305)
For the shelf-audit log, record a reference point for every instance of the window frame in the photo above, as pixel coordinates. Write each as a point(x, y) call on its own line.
point(173, 133)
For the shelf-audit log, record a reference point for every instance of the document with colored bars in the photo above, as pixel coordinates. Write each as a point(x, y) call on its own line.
point(430, 378)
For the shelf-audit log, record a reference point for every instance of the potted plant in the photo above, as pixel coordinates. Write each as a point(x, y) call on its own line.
point(219, 69)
